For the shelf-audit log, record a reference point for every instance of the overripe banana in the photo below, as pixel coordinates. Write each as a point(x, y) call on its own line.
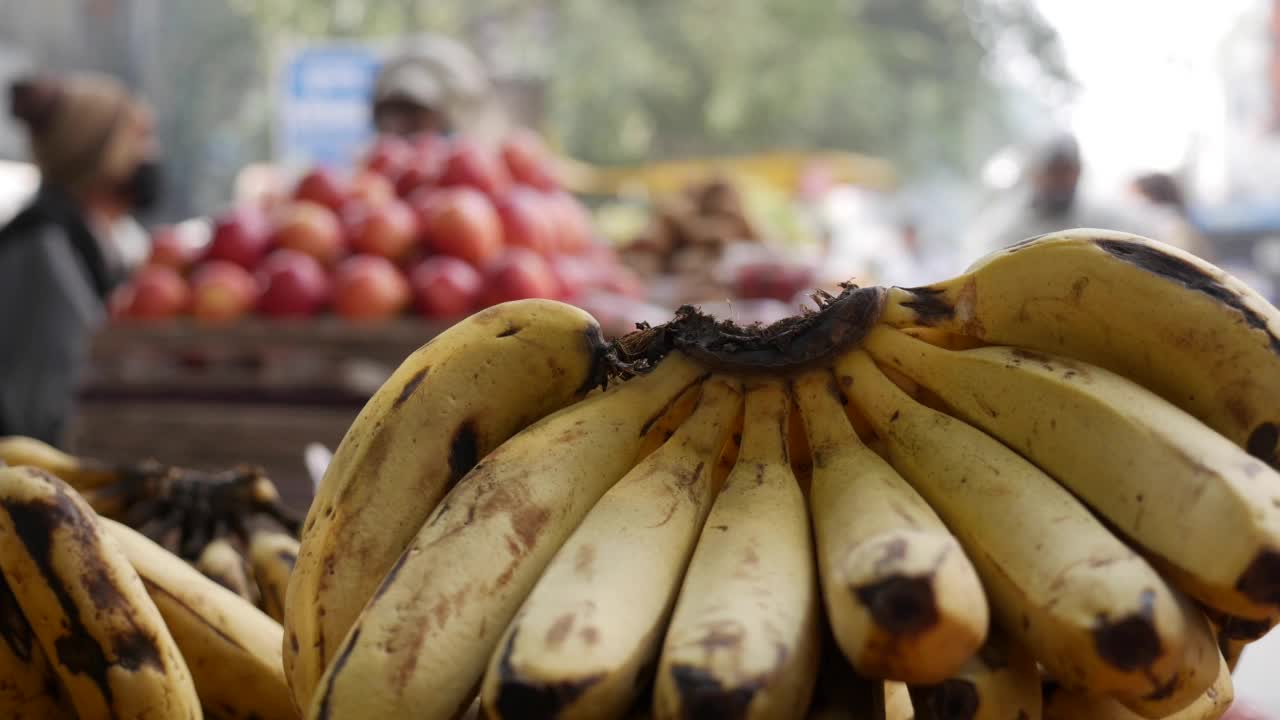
point(902, 598)
point(87, 606)
point(1143, 309)
point(29, 688)
point(596, 615)
point(1163, 478)
point(1088, 608)
point(447, 406)
point(1195, 676)
point(743, 638)
point(421, 644)
point(273, 555)
point(232, 648)
point(222, 563)
point(999, 682)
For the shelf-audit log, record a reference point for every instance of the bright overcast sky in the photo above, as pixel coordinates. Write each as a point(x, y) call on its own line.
point(1147, 74)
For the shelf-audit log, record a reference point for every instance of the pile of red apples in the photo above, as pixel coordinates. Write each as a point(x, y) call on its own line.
point(439, 226)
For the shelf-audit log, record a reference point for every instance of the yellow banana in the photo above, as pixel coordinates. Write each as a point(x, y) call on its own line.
point(902, 598)
point(447, 406)
point(233, 648)
point(79, 473)
point(222, 563)
point(1195, 676)
point(421, 645)
point(1150, 312)
point(1061, 703)
point(29, 688)
point(1095, 613)
point(273, 555)
point(743, 639)
point(87, 606)
point(1163, 478)
point(1000, 682)
point(596, 615)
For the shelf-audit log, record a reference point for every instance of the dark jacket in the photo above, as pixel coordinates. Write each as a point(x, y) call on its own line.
point(54, 281)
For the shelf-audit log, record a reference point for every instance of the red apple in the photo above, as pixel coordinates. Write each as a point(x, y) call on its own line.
point(222, 291)
point(527, 160)
point(241, 235)
point(389, 156)
point(323, 187)
point(156, 292)
point(445, 287)
point(460, 222)
point(526, 220)
point(517, 274)
point(389, 229)
point(309, 228)
point(369, 287)
point(470, 165)
point(572, 222)
point(292, 284)
point(370, 187)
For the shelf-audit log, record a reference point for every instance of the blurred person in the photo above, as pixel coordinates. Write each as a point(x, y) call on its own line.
point(1162, 194)
point(1047, 201)
point(435, 85)
point(62, 255)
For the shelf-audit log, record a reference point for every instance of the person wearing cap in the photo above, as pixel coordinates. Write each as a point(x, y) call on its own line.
point(1048, 201)
point(94, 148)
point(435, 85)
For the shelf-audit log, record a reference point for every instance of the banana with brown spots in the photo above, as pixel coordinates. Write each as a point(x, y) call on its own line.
point(421, 645)
point(87, 606)
point(1164, 479)
point(449, 404)
point(596, 616)
point(903, 600)
point(1145, 310)
point(29, 688)
point(232, 648)
point(1195, 677)
point(743, 639)
point(1092, 610)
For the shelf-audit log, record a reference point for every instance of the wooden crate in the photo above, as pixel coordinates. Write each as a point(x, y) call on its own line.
point(254, 392)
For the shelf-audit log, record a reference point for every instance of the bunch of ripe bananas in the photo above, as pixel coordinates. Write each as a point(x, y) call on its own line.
point(1043, 489)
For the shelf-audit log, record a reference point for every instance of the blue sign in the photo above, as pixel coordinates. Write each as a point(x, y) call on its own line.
point(323, 104)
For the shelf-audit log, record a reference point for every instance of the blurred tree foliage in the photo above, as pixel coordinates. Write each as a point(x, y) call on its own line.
point(914, 80)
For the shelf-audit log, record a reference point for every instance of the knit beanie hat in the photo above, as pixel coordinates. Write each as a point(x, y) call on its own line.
point(85, 130)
